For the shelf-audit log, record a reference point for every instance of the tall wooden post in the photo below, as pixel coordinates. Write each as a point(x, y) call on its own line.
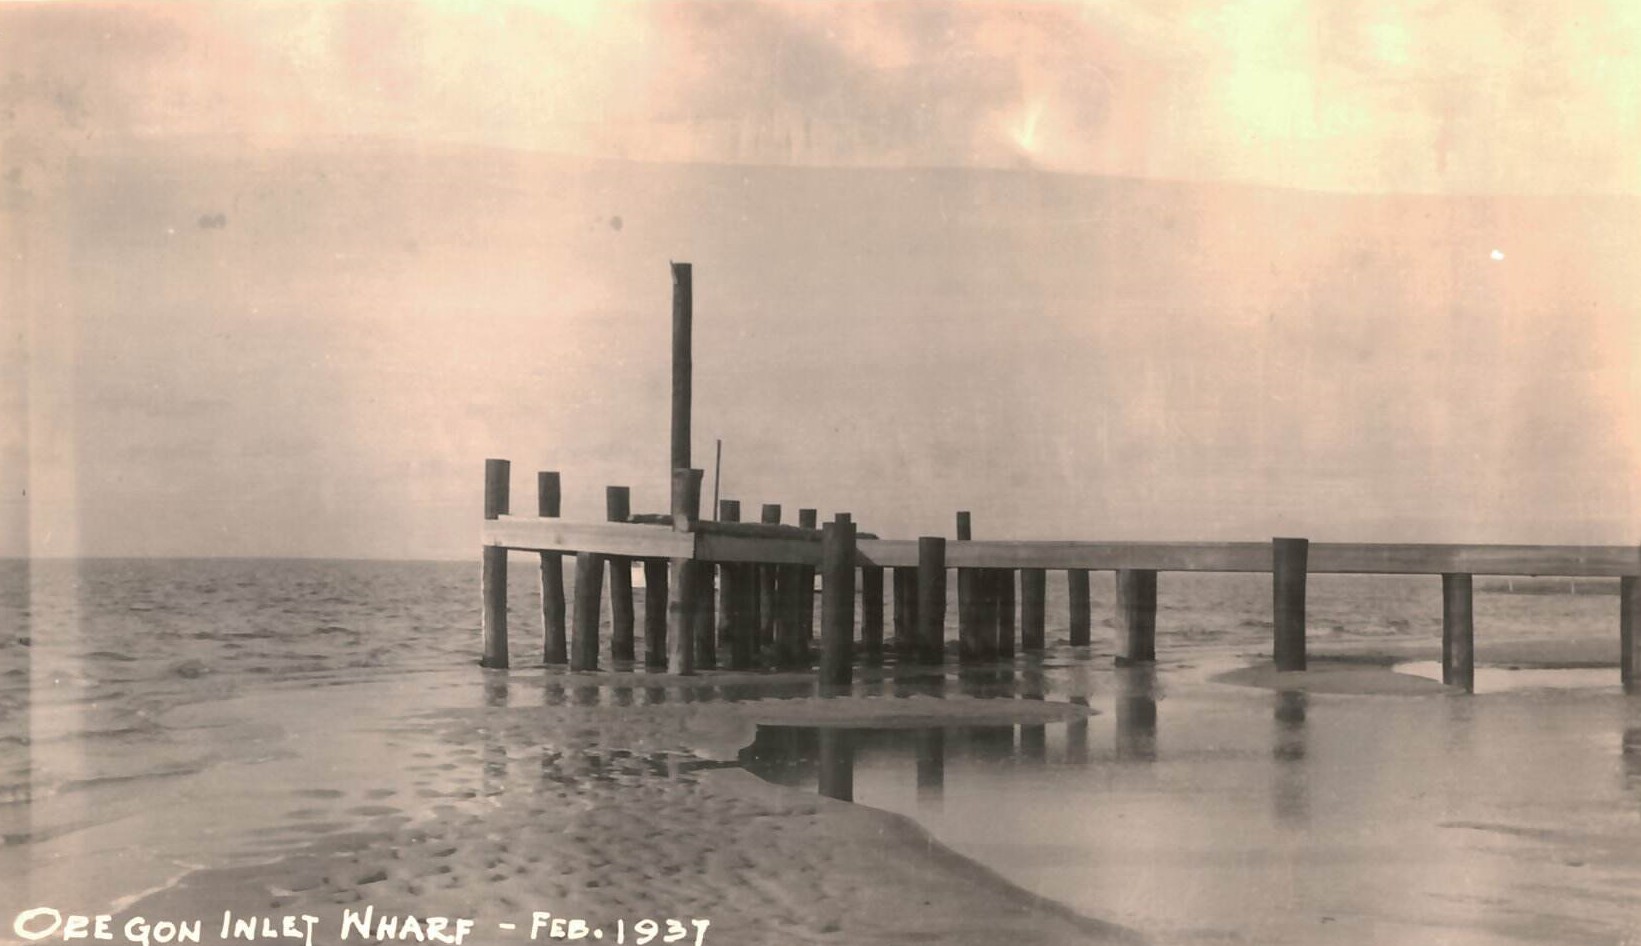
point(1629, 622)
point(1288, 568)
point(769, 602)
point(905, 581)
point(683, 314)
point(554, 649)
point(736, 625)
point(931, 598)
point(1136, 616)
point(1081, 612)
point(1458, 632)
point(1033, 608)
point(493, 569)
point(589, 579)
point(681, 578)
point(871, 612)
point(803, 578)
point(655, 613)
point(1006, 612)
point(970, 612)
point(618, 508)
point(837, 602)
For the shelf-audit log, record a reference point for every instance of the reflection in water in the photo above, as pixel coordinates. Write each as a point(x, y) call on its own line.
point(494, 778)
point(931, 766)
point(1034, 744)
point(1077, 736)
point(1632, 758)
point(837, 764)
point(1290, 795)
point(1137, 712)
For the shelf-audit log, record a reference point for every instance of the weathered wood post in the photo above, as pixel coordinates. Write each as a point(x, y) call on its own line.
point(1289, 559)
point(1458, 632)
point(589, 581)
point(804, 579)
point(1033, 608)
point(618, 508)
point(655, 613)
point(1006, 614)
point(554, 648)
point(706, 615)
point(905, 581)
point(734, 630)
point(493, 569)
point(1629, 621)
point(970, 607)
point(1081, 612)
point(683, 315)
point(871, 612)
point(837, 602)
point(931, 598)
point(681, 577)
point(1136, 616)
point(769, 600)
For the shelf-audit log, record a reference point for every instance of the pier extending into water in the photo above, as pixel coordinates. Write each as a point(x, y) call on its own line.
point(721, 593)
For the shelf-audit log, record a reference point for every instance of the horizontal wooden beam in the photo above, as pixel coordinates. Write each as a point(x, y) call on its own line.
point(604, 538)
point(786, 545)
point(1569, 561)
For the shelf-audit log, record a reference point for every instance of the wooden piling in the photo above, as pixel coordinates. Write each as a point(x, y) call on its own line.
point(804, 577)
point(1458, 632)
point(871, 612)
point(1289, 558)
point(493, 569)
point(1629, 621)
point(837, 602)
point(931, 598)
point(589, 581)
point(792, 596)
point(554, 646)
point(905, 588)
point(970, 603)
point(735, 629)
point(1006, 614)
point(682, 576)
point(683, 314)
point(1081, 612)
point(1033, 608)
point(1136, 616)
point(655, 613)
point(706, 615)
point(768, 600)
point(618, 508)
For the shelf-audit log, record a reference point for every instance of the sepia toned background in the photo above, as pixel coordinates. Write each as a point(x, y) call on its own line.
point(278, 276)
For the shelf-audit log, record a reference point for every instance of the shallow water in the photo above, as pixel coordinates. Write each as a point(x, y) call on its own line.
point(1196, 812)
point(150, 713)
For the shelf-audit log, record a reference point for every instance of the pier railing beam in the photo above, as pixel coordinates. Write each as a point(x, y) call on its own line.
point(1629, 624)
point(837, 602)
point(1458, 632)
point(1136, 616)
point(1081, 612)
point(589, 579)
point(493, 569)
point(1033, 608)
point(681, 578)
point(931, 598)
point(1289, 558)
point(554, 648)
point(618, 508)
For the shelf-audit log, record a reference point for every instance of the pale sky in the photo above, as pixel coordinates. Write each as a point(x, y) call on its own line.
point(281, 275)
